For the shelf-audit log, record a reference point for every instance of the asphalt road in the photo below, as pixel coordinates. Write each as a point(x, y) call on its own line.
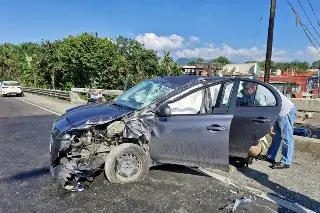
point(27, 186)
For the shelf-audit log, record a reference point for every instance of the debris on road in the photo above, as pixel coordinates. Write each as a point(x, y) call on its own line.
point(233, 206)
point(78, 188)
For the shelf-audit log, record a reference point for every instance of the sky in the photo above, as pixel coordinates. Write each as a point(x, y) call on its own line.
point(207, 29)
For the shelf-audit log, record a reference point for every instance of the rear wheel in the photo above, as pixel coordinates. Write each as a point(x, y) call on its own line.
point(126, 163)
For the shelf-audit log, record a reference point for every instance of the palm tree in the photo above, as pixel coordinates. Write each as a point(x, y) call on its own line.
point(167, 62)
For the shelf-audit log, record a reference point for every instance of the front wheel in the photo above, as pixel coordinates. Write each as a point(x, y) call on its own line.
point(126, 163)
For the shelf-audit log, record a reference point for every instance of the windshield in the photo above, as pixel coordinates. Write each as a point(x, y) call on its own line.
point(143, 94)
point(11, 84)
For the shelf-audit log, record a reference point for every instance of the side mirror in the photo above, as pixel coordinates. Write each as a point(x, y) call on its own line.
point(164, 111)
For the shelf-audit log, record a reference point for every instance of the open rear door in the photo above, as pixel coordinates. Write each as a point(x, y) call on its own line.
point(252, 120)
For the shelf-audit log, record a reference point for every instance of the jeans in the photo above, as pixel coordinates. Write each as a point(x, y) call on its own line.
point(283, 129)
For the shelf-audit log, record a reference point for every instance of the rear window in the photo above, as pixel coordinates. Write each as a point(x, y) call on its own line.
point(11, 84)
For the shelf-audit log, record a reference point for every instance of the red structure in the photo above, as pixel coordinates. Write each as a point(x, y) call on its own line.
point(300, 79)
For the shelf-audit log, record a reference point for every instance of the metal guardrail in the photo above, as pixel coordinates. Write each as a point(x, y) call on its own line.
point(65, 95)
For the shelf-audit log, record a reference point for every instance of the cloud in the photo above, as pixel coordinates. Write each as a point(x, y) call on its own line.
point(194, 39)
point(181, 48)
point(312, 52)
point(210, 52)
point(160, 43)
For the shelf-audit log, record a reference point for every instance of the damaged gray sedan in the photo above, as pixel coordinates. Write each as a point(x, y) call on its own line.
point(188, 120)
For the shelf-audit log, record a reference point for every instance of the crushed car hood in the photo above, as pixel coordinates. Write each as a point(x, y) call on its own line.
point(94, 113)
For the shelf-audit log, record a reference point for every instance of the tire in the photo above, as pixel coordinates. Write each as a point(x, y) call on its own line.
point(20, 95)
point(131, 152)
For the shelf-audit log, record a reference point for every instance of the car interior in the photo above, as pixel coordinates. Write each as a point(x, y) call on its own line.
point(205, 101)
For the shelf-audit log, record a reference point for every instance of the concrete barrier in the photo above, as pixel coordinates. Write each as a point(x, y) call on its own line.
point(304, 144)
point(307, 105)
point(75, 98)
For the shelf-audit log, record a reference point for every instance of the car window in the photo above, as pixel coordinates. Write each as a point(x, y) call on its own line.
point(252, 94)
point(226, 91)
point(11, 84)
point(195, 102)
point(190, 104)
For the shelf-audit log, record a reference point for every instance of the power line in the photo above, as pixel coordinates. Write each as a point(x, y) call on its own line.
point(314, 12)
point(308, 17)
point(258, 30)
point(298, 20)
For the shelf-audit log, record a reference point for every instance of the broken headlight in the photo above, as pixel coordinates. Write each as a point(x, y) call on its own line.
point(66, 140)
point(66, 137)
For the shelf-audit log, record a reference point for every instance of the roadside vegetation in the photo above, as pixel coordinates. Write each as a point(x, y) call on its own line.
point(85, 60)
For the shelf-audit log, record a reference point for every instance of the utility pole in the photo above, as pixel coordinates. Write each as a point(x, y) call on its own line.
point(270, 41)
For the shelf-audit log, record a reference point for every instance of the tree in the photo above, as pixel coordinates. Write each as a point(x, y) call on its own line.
point(84, 60)
point(247, 62)
point(8, 61)
point(137, 62)
point(316, 64)
point(222, 60)
point(196, 61)
point(262, 65)
point(168, 67)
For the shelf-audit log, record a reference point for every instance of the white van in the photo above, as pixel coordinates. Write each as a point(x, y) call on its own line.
point(10, 88)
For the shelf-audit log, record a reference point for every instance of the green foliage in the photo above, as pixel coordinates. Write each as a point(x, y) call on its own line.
point(84, 60)
point(198, 60)
point(287, 66)
point(222, 60)
point(316, 64)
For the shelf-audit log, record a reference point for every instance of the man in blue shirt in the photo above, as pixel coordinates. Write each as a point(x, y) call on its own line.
point(283, 127)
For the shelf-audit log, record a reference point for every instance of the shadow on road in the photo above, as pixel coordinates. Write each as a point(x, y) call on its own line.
point(178, 169)
point(279, 190)
point(26, 175)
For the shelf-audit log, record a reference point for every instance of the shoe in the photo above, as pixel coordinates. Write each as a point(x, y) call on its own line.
point(279, 165)
point(250, 160)
point(265, 158)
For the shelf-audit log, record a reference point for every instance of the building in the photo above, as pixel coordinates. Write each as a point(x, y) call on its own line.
point(189, 70)
point(248, 69)
point(207, 68)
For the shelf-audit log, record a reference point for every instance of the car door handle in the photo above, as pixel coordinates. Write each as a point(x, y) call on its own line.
point(216, 128)
point(260, 120)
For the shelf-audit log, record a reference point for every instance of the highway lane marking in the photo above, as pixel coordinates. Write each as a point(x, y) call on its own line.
point(35, 105)
point(266, 196)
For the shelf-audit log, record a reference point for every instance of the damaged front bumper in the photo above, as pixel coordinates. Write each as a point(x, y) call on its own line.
point(67, 177)
point(77, 153)
point(67, 172)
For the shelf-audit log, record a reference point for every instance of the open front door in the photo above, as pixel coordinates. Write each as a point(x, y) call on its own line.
point(197, 132)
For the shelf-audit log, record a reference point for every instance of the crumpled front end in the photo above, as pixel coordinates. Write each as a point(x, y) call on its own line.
point(74, 156)
point(79, 154)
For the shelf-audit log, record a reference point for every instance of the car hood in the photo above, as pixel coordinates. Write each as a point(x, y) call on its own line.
point(94, 114)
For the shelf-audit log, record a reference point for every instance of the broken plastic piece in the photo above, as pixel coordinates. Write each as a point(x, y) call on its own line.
point(78, 188)
point(233, 206)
